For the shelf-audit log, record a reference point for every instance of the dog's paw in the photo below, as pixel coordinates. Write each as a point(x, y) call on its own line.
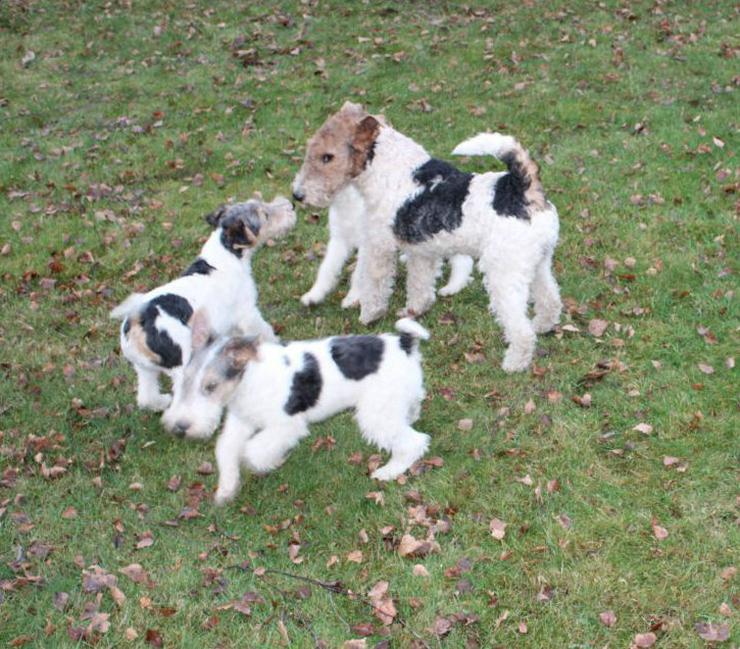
point(367, 316)
point(223, 496)
point(310, 298)
point(544, 325)
point(156, 403)
point(350, 300)
point(385, 473)
point(515, 362)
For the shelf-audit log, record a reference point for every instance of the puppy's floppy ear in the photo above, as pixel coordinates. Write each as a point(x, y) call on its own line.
point(200, 330)
point(239, 351)
point(239, 234)
point(214, 218)
point(363, 142)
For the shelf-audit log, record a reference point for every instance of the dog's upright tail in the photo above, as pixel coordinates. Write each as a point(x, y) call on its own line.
point(523, 169)
point(411, 333)
point(130, 305)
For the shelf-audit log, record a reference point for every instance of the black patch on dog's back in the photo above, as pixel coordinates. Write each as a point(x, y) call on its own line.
point(306, 386)
point(437, 207)
point(406, 342)
point(508, 197)
point(199, 267)
point(159, 341)
point(357, 356)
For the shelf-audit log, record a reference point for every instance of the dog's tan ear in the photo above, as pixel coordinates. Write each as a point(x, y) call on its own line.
point(239, 351)
point(363, 143)
point(200, 330)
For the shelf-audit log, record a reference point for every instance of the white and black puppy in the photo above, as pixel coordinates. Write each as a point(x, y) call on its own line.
point(272, 393)
point(347, 228)
point(155, 333)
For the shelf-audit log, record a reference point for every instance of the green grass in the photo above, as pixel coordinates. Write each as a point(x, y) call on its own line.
point(116, 139)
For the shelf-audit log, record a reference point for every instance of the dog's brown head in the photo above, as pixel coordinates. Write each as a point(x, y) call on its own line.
point(337, 153)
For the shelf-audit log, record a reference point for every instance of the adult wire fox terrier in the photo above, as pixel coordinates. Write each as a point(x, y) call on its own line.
point(347, 227)
point(155, 333)
point(272, 393)
point(429, 209)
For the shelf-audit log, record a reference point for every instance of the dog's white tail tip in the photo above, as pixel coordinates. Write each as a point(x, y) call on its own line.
point(128, 306)
point(494, 144)
point(412, 328)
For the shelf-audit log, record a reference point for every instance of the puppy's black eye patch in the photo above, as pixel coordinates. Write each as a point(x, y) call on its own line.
point(327, 158)
point(210, 388)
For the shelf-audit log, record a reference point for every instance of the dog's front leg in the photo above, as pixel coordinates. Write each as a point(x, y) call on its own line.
point(376, 282)
point(337, 252)
point(148, 395)
point(229, 449)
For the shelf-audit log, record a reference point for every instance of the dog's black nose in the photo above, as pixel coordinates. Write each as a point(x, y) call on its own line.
point(180, 428)
point(299, 195)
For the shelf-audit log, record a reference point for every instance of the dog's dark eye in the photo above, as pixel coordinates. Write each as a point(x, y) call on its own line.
point(327, 158)
point(210, 388)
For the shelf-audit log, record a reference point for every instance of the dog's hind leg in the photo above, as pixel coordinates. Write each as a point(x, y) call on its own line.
point(461, 268)
point(383, 420)
point(148, 395)
point(508, 289)
point(268, 448)
point(407, 446)
point(546, 296)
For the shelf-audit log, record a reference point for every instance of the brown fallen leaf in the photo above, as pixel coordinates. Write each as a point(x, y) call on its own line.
point(441, 627)
point(712, 632)
point(608, 618)
point(410, 546)
point(136, 573)
point(660, 533)
point(643, 640)
point(360, 643)
point(69, 513)
point(205, 468)
point(355, 556)
point(145, 540)
point(383, 607)
point(465, 425)
point(154, 638)
point(597, 327)
point(643, 428)
point(498, 529)
point(420, 571)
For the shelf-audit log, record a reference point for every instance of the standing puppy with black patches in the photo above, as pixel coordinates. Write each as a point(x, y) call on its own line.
point(155, 333)
point(273, 392)
point(431, 210)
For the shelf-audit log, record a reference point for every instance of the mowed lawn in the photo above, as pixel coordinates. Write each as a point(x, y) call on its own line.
point(589, 503)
